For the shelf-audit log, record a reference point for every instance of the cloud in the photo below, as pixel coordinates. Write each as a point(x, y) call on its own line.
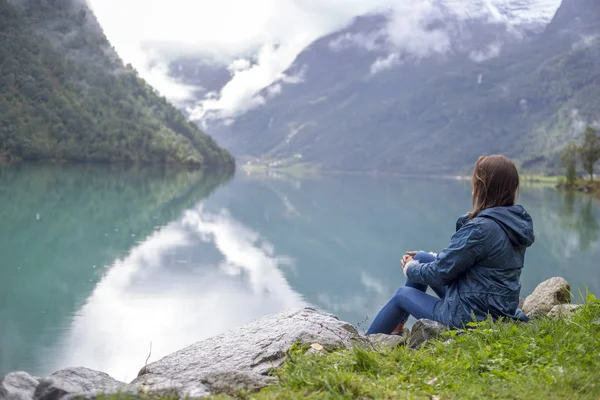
point(370, 41)
point(383, 63)
point(419, 30)
point(411, 29)
point(585, 41)
point(258, 41)
point(243, 91)
point(489, 52)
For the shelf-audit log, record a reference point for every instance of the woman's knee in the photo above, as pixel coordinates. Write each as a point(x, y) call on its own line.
point(404, 293)
point(415, 302)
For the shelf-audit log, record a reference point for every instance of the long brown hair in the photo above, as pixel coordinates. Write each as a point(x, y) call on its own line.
point(495, 183)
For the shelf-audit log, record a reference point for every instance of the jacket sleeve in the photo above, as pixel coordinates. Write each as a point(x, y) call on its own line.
point(462, 253)
point(461, 221)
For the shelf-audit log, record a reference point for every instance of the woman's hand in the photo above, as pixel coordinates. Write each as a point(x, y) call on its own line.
point(405, 260)
point(408, 257)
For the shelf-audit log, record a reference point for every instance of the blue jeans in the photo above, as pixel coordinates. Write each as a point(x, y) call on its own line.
point(408, 300)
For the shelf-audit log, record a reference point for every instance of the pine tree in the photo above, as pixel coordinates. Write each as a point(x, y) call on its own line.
point(569, 161)
point(590, 151)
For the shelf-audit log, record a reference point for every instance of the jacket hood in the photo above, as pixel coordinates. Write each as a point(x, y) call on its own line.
point(515, 221)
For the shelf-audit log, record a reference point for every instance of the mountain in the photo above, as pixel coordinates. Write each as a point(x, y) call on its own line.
point(66, 95)
point(582, 15)
point(501, 83)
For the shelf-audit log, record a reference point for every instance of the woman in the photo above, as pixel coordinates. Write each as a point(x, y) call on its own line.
point(478, 273)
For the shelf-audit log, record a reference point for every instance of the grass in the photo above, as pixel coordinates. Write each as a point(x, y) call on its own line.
point(547, 358)
point(544, 359)
point(539, 180)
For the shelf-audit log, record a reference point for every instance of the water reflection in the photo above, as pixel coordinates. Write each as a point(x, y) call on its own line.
point(577, 229)
point(579, 218)
point(191, 280)
point(60, 226)
point(347, 233)
point(120, 259)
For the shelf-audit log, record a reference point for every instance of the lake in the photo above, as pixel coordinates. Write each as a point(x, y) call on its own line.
point(103, 266)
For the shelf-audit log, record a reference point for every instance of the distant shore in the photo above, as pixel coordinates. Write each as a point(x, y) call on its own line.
point(583, 186)
point(309, 170)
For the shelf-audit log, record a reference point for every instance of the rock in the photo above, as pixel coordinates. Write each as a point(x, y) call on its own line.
point(424, 330)
point(389, 341)
point(78, 381)
point(228, 382)
point(49, 389)
point(161, 386)
point(18, 386)
point(232, 382)
point(316, 348)
point(548, 294)
point(563, 310)
point(241, 358)
point(536, 314)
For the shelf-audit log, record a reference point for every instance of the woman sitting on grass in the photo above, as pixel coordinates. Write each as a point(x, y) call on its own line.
point(478, 273)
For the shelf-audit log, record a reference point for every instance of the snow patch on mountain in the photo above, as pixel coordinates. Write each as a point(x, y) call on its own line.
point(439, 27)
point(535, 14)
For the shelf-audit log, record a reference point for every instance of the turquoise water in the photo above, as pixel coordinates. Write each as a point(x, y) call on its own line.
point(98, 264)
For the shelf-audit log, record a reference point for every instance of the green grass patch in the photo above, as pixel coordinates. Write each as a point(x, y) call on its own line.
point(547, 358)
point(537, 179)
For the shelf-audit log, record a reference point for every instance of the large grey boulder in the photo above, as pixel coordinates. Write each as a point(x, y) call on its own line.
point(546, 295)
point(76, 381)
point(18, 386)
point(424, 330)
point(242, 358)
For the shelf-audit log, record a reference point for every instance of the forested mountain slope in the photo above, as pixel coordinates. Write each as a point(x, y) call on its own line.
point(436, 114)
point(66, 95)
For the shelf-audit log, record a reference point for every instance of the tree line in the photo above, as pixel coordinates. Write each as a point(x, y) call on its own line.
point(65, 95)
point(588, 154)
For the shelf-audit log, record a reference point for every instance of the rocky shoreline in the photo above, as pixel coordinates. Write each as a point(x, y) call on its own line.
point(243, 358)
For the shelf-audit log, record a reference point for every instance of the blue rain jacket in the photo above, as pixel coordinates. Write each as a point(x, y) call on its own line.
point(481, 266)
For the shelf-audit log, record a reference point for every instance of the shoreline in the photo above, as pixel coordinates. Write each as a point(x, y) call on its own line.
point(588, 188)
point(305, 352)
point(300, 171)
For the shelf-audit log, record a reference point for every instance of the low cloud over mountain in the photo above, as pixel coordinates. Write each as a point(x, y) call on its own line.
point(253, 44)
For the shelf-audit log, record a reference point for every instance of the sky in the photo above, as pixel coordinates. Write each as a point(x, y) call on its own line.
point(149, 33)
